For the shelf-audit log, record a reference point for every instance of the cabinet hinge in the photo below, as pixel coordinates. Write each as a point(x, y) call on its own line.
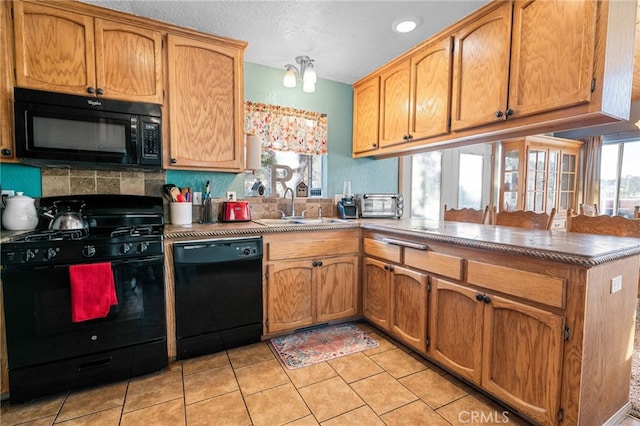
point(593, 85)
point(266, 275)
point(429, 284)
point(428, 341)
point(561, 414)
point(449, 123)
point(567, 333)
point(267, 322)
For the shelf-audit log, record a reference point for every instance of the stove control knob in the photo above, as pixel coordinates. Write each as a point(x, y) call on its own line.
point(49, 254)
point(125, 247)
point(89, 251)
point(28, 255)
point(142, 247)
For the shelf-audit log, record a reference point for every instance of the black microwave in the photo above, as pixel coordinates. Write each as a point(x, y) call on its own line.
point(55, 128)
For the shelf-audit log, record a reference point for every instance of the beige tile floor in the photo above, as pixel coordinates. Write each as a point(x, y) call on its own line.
point(386, 385)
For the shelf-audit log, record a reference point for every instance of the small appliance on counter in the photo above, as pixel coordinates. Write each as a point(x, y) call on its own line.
point(382, 206)
point(347, 208)
point(236, 211)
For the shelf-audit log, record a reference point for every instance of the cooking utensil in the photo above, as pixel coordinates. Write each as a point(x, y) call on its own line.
point(166, 192)
point(68, 215)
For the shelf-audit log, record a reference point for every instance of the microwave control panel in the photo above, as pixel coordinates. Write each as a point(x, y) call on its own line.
point(151, 141)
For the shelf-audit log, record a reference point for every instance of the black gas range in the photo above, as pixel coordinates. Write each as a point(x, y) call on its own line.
point(48, 352)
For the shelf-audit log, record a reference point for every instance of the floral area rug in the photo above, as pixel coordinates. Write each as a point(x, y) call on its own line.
point(321, 344)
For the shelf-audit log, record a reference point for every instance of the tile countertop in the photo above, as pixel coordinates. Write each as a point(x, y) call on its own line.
point(561, 246)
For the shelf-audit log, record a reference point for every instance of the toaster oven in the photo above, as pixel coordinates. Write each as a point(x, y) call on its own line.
point(388, 206)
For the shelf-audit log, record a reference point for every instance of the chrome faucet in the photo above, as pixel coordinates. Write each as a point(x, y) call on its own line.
point(293, 207)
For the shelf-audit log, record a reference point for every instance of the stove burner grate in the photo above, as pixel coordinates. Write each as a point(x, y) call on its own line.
point(56, 235)
point(132, 231)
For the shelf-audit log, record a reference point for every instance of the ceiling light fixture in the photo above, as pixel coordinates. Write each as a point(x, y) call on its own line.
point(405, 25)
point(306, 73)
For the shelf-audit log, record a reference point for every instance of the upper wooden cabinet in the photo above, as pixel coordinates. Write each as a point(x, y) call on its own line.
point(7, 150)
point(414, 97)
point(62, 51)
point(429, 102)
point(205, 108)
point(552, 55)
point(481, 69)
point(519, 68)
point(366, 98)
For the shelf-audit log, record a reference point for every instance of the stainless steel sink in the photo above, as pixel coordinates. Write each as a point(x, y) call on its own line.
point(301, 221)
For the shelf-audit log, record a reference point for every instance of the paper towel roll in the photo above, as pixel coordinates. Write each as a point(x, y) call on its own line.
point(253, 157)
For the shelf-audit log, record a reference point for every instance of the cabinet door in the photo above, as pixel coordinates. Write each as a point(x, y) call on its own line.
point(394, 105)
point(366, 111)
point(128, 62)
point(337, 287)
point(431, 90)
point(7, 151)
point(552, 55)
point(409, 307)
point(522, 357)
point(455, 328)
point(54, 49)
point(481, 69)
point(376, 293)
point(290, 296)
point(206, 108)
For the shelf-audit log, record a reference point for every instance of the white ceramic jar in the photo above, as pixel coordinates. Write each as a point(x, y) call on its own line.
point(20, 213)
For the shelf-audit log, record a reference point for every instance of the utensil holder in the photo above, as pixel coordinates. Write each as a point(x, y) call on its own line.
point(181, 213)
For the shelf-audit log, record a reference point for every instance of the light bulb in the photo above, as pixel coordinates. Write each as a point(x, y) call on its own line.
point(309, 74)
point(289, 79)
point(308, 87)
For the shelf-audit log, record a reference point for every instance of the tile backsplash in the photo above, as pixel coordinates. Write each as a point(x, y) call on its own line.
point(67, 181)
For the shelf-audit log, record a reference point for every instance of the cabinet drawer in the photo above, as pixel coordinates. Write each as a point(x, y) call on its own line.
point(300, 249)
point(437, 263)
point(382, 250)
point(528, 285)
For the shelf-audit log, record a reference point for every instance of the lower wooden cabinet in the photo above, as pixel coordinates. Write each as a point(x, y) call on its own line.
point(455, 329)
point(395, 298)
point(511, 349)
point(310, 278)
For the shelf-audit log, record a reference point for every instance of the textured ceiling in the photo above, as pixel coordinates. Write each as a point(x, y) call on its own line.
point(347, 39)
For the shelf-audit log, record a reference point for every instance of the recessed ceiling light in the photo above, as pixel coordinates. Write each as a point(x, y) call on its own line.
point(405, 25)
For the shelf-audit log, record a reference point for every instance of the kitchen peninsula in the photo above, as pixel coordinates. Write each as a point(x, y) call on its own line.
point(535, 318)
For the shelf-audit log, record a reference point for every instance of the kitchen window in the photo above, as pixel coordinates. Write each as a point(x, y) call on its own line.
point(620, 178)
point(457, 177)
point(294, 144)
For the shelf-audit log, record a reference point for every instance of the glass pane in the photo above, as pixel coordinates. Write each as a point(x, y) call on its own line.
point(629, 195)
point(510, 200)
point(608, 178)
point(470, 181)
point(425, 185)
point(285, 169)
point(511, 160)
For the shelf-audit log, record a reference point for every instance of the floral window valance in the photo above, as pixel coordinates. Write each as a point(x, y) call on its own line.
point(287, 129)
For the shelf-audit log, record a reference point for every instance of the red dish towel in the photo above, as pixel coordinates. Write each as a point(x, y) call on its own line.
point(93, 291)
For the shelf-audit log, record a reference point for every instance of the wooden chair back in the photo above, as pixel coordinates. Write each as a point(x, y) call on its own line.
point(524, 219)
point(603, 225)
point(589, 209)
point(466, 215)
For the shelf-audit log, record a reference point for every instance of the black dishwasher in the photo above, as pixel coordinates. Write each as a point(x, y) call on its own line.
point(218, 288)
